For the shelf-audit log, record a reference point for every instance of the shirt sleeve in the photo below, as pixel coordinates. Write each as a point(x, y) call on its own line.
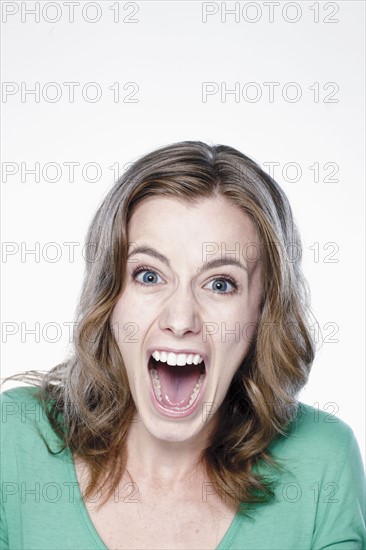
point(342, 526)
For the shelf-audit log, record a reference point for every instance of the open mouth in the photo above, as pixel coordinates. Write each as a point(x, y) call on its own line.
point(176, 379)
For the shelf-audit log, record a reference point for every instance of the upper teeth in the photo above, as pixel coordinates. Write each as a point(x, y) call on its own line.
point(180, 359)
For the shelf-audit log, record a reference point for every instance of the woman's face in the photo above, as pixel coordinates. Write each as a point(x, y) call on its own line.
point(191, 295)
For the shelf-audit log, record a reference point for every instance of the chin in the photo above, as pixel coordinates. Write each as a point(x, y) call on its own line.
point(171, 431)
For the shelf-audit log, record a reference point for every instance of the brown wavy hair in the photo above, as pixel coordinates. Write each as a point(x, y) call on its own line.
point(87, 398)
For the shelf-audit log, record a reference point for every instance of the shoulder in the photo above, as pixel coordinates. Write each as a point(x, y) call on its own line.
point(322, 427)
point(23, 419)
point(21, 394)
point(17, 403)
point(315, 431)
point(319, 442)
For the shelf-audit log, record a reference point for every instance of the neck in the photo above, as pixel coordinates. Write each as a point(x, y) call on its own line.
point(164, 463)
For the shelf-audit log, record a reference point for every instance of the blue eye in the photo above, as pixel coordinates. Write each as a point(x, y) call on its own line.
point(220, 285)
point(149, 278)
point(224, 285)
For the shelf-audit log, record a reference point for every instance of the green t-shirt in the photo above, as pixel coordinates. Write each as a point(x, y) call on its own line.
point(319, 499)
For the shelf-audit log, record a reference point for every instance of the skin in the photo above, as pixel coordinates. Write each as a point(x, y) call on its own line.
point(173, 312)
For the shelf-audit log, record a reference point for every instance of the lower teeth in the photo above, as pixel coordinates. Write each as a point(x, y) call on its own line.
point(157, 388)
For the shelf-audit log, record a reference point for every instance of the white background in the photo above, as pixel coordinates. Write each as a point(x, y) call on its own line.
point(169, 52)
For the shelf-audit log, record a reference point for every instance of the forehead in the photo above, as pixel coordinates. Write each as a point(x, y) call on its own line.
point(170, 220)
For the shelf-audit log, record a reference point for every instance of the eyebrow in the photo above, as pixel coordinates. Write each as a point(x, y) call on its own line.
point(207, 265)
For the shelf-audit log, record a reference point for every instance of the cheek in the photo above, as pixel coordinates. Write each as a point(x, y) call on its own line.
point(239, 325)
point(129, 322)
point(126, 309)
point(121, 322)
point(117, 317)
point(234, 334)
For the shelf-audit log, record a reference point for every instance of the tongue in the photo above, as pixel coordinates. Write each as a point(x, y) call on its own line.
point(177, 383)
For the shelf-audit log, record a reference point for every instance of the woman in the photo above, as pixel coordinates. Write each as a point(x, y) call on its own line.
point(176, 424)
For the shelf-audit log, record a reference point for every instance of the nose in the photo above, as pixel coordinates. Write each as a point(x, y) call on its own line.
point(180, 315)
